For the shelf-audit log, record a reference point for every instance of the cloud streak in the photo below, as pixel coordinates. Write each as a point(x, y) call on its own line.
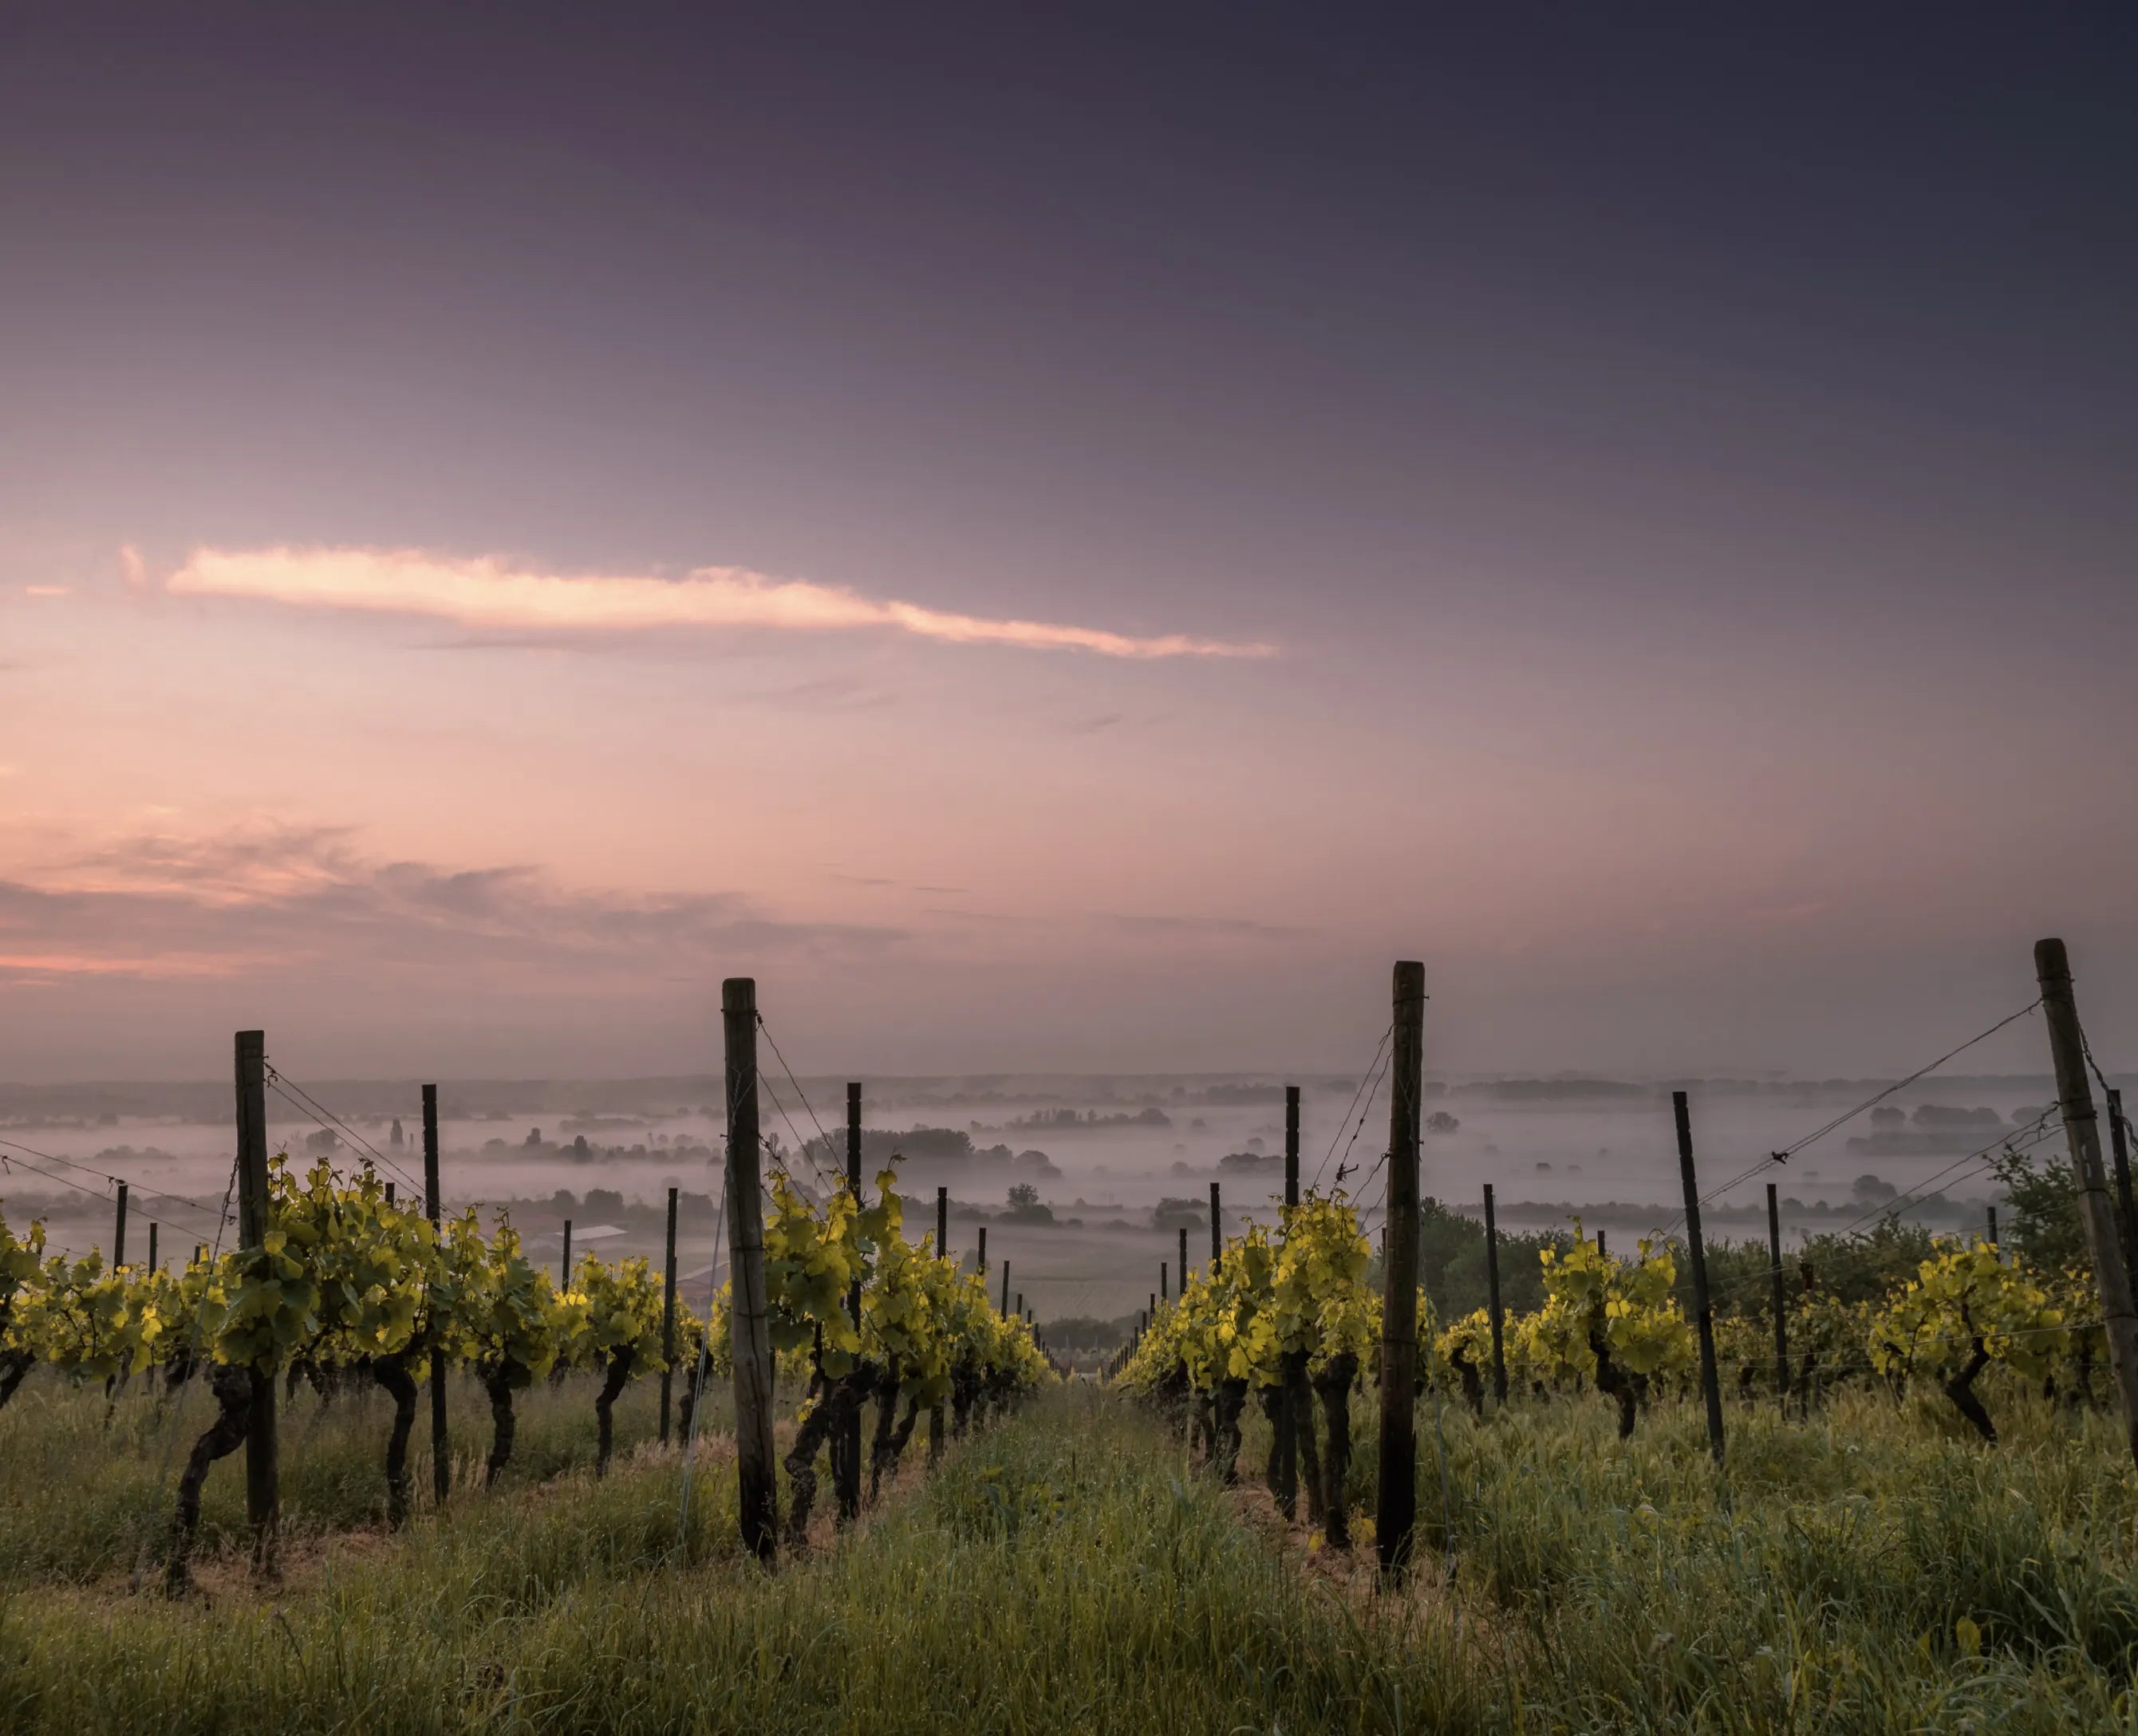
point(304, 904)
point(491, 595)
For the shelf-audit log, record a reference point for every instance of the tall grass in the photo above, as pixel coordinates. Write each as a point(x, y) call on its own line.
point(1876, 1568)
point(1054, 1575)
point(1871, 1570)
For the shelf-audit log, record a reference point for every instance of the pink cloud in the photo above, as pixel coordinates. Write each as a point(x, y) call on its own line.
point(489, 594)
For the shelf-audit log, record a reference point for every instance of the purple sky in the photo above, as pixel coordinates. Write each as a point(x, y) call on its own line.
point(1062, 544)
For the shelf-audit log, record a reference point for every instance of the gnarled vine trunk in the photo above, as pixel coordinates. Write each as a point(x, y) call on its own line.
point(900, 1436)
point(233, 1388)
point(689, 1404)
point(886, 1416)
point(1225, 1446)
point(1960, 1390)
point(1202, 1425)
point(1473, 1381)
point(964, 1388)
point(1614, 1382)
point(1333, 1386)
point(1301, 1396)
point(619, 1371)
point(825, 1426)
point(1272, 1398)
point(497, 1382)
point(391, 1373)
point(14, 1364)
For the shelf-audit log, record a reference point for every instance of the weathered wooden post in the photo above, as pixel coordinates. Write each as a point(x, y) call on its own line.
point(1004, 1309)
point(1992, 1223)
point(1396, 1514)
point(118, 1232)
point(749, 1329)
point(1710, 1385)
point(1184, 1259)
point(442, 1458)
point(389, 1193)
point(1492, 1300)
point(2119, 1142)
point(942, 1251)
point(262, 1459)
point(980, 1258)
point(154, 1264)
point(846, 1448)
point(668, 1321)
point(2083, 1133)
point(1217, 1230)
point(564, 1277)
point(1781, 1308)
point(1291, 1381)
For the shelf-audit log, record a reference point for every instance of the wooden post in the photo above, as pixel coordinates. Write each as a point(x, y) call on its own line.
point(1217, 1231)
point(2083, 1133)
point(2119, 1142)
point(749, 1329)
point(942, 1252)
point(1020, 1304)
point(1004, 1309)
point(442, 1457)
point(1397, 1512)
point(1289, 1402)
point(564, 1277)
point(1184, 1259)
point(668, 1322)
point(262, 1467)
point(1993, 1227)
point(847, 1451)
point(1781, 1309)
point(1711, 1384)
point(1292, 1145)
point(1602, 1252)
point(118, 1232)
point(389, 1193)
point(153, 1263)
point(980, 1258)
point(1492, 1296)
point(1163, 1295)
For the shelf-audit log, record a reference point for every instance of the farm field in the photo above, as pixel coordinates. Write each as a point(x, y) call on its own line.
point(1070, 1569)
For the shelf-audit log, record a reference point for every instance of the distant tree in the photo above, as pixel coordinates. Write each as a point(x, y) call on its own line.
point(1024, 1205)
point(1870, 1190)
point(1171, 1214)
point(1441, 1122)
point(605, 1199)
point(1889, 1117)
point(2042, 1221)
point(396, 1136)
point(1943, 1115)
point(533, 1136)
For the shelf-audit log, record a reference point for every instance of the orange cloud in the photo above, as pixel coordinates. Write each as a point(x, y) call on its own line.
point(174, 965)
point(489, 594)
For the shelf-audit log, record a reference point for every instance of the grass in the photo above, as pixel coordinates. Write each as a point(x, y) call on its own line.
point(1870, 1571)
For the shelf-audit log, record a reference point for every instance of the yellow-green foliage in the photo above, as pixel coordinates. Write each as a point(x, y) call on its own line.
point(1963, 1299)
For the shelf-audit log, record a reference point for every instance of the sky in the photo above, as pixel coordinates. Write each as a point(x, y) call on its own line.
point(1062, 542)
